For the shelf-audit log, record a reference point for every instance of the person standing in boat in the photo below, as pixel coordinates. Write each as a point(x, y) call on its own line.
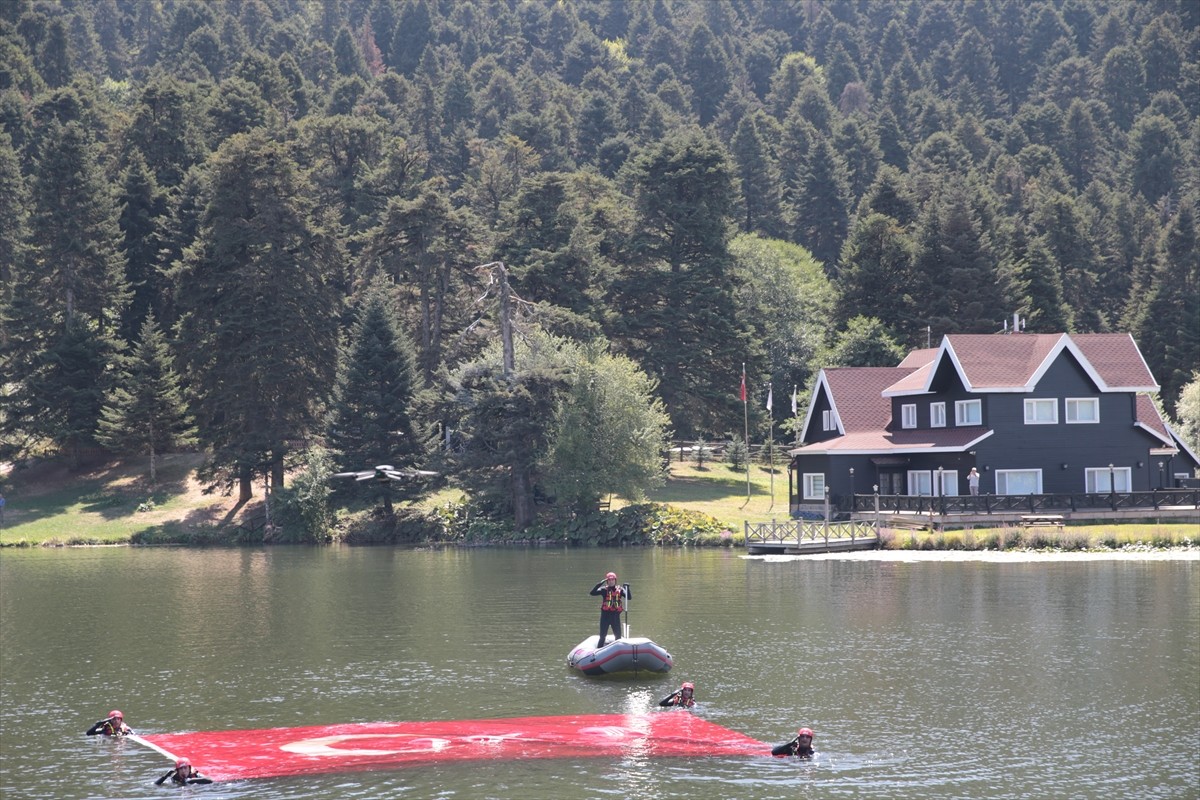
point(684, 697)
point(612, 603)
point(113, 725)
point(183, 774)
point(800, 747)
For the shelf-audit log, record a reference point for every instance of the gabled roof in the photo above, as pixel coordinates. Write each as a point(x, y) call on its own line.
point(855, 396)
point(1016, 362)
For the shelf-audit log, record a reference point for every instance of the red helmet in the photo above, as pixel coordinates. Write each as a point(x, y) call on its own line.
point(688, 686)
point(612, 576)
point(182, 762)
point(115, 713)
point(805, 732)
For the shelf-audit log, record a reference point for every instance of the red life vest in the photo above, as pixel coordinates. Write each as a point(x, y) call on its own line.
point(613, 599)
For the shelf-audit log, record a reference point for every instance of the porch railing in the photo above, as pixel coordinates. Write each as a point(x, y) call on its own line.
point(1031, 503)
point(798, 531)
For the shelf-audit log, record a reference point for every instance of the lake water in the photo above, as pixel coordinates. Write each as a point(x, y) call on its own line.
point(922, 680)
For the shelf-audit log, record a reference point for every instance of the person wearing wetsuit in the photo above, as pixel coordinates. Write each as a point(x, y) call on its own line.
point(684, 697)
point(184, 774)
point(801, 746)
point(113, 725)
point(612, 603)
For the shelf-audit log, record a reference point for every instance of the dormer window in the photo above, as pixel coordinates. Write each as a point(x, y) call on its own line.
point(1041, 411)
point(968, 412)
point(827, 422)
point(937, 415)
point(1083, 410)
point(908, 415)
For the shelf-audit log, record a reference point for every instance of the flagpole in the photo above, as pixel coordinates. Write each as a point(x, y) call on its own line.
point(771, 441)
point(746, 429)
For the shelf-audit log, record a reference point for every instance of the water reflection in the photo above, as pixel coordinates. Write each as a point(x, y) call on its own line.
point(921, 680)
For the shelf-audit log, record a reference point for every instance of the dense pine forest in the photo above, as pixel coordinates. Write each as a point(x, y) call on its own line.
point(522, 242)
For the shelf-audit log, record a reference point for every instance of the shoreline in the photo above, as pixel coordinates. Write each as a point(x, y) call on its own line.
point(996, 556)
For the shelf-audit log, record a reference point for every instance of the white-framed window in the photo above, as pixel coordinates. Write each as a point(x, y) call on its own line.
point(814, 486)
point(1083, 410)
point(827, 421)
point(1102, 479)
point(968, 412)
point(1041, 411)
point(937, 415)
point(920, 482)
point(1018, 481)
point(908, 415)
point(949, 481)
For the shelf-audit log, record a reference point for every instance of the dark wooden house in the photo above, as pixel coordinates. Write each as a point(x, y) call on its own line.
point(1033, 413)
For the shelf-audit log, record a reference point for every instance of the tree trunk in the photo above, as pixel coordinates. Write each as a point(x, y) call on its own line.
point(277, 474)
point(522, 500)
point(245, 485)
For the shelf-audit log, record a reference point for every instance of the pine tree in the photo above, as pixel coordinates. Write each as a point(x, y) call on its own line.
point(876, 273)
point(371, 421)
point(68, 296)
point(821, 207)
point(760, 181)
point(676, 300)
point(1169, 331)
point(142, 210)
point(1039, 285)
point(258, 314)
point(145, 411)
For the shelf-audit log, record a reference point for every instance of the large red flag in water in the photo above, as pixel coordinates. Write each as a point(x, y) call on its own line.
point(272, 752)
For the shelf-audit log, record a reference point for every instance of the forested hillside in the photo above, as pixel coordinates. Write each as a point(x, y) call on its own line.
point(257, 225)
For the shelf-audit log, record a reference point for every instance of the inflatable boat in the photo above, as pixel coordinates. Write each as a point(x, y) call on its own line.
point(623, 655)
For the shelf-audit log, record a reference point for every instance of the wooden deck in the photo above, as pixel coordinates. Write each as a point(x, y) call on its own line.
point(800, 537)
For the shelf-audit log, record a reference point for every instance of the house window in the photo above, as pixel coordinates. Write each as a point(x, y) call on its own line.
point(908, 415)
point(920, 482)
point(968, 412)
point(937, 415)
point(949, 480)
point(1018, 481)
point(814, 486)
point(1083, 410)
point(827, 421)
point(1041, 411)
point(1102, 479)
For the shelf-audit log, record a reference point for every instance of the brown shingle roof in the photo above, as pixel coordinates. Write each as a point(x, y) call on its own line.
point(857, 395)
point(990, 362)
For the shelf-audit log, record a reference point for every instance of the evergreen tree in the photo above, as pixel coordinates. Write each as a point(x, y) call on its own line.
point(760, 181)
point(145, 411)
point(142, 209)
point(1039, 286)
point(371, 421)
point(72, 292)
point(258, 313)
point(865, 342)
point(821, 208)
point(676, 300)
point(875, 275)
point(1169, 331)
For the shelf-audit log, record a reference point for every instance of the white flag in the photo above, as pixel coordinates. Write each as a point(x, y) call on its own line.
point(794, 387)
point(769, 390)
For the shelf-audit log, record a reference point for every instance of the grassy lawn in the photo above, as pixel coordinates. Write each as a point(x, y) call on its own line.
point(49, 504)
point(719, 491)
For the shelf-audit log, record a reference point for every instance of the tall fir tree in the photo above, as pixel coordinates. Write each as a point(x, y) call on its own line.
point(72, 294)
point(371, 421)
point(1169, 331)
point(259, 317)
point(677, 312)
point(145, 411)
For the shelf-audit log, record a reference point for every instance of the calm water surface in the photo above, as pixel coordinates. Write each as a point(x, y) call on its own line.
point(922, 680)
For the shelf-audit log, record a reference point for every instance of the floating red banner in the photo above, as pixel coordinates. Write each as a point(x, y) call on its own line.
point(272, 752)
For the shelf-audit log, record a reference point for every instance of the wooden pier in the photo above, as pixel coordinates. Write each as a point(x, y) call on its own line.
point(799, 537)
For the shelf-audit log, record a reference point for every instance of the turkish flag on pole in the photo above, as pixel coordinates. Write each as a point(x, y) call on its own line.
point(743, 392)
